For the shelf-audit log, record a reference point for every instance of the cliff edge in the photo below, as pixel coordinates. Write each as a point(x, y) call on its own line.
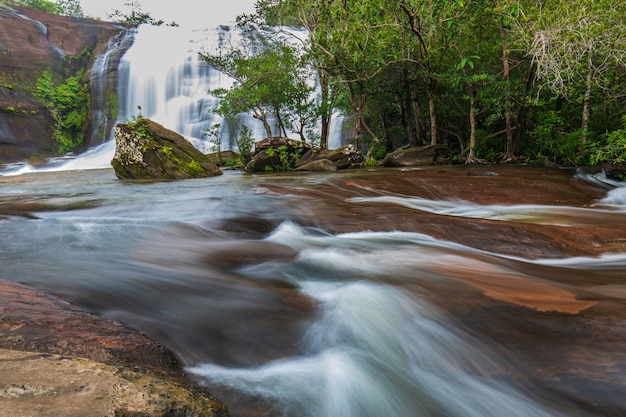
point(31, 42)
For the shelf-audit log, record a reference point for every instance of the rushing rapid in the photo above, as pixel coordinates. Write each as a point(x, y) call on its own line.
point(390, 292)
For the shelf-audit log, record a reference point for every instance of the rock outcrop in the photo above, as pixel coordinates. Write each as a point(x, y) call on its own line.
point(146, 150)
point(346, 157)
point(32, 41)
point(284, 154)
point(57, 360)
point(420, 156)
point(276, 154)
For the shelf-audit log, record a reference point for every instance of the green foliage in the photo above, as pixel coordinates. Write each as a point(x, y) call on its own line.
point(467, 69)
point(139, 125)
point(44, 5)
point(245, 143)
point(611, 149)
point(71, 8)
point(68, 105)
point(193, 168)
point(270, 78)
point(135, 16)
point(214, 133)
point(379, 152)
point(287, 159)
point(166, 151)
point(111, 107)
point(549, 140)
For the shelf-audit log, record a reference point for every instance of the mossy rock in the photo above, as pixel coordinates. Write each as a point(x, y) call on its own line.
point(146, 150)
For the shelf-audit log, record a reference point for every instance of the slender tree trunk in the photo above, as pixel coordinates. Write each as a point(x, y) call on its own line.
point(281, 126)
point(385, 126)
point(260, 115)
point(471, 158)
point(408, 110)
point(522, 108)
point(433, 116)
point(587, 100)
point(327, 108)
point(509, 154)
point(375, 140)
point(357, 116)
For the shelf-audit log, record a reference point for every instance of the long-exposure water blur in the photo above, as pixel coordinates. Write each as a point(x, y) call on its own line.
point(440, 292)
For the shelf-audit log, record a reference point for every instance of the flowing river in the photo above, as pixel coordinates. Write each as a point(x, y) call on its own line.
point(444, 292)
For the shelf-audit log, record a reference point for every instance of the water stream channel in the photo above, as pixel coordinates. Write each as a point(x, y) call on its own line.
point(448, 291)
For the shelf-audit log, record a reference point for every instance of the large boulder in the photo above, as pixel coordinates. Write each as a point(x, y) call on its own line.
point(276, 154)
point(420, 156)
point(284, 154)
point(346, 157)
point(146, 150)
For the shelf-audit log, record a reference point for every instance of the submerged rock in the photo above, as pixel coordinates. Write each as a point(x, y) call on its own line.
point(146, 150)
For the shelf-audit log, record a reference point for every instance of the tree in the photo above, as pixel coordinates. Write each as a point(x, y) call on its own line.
point(575, 45)
point(71, 8)
point(135, 16)
point(269, 79)
point(44, 5)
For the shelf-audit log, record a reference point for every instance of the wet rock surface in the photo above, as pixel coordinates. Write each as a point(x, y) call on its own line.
point(57, 360)
point(30, 42)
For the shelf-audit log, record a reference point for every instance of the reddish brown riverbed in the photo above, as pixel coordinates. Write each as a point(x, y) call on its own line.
point(498, 283)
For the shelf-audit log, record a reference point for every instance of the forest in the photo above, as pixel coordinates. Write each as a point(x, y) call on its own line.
point(496, 81)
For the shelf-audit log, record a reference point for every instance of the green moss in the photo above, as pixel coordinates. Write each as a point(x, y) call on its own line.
point(193, 168)
point(166, 151)
point(68, 105)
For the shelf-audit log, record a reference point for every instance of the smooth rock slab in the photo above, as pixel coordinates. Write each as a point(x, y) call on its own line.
point(43, 385)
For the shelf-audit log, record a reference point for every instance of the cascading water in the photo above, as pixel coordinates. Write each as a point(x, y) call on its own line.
point(161, 77)
point(104, 82)
point(171, 86)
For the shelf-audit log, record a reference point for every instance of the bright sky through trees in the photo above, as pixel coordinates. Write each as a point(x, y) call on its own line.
point(187, 13)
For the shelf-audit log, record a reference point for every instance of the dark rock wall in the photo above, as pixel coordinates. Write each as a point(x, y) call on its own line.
point(30, 42)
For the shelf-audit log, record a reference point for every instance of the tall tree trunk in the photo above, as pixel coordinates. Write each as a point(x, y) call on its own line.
point(281, 126)
point(408, 110)
point(471, 158)
point(262, 116)
point(326, 107)
point(522, 108)
point(433, 116)
point(385, 125)
point(587, 100)
point(509, 153)
point(357, 116)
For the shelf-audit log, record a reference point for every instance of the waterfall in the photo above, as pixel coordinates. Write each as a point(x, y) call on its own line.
point(160, 75)
point(103, 86)
point(162, 78)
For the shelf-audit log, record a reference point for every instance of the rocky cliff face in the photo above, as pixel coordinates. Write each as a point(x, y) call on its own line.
point(30, 42)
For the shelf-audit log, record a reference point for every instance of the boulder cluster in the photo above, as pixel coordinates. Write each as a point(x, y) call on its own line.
point(146, 150)
point(284, 154)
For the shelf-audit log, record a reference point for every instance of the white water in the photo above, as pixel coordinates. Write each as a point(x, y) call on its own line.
point(357, 324)
point(374, 350)
point(162, 78)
